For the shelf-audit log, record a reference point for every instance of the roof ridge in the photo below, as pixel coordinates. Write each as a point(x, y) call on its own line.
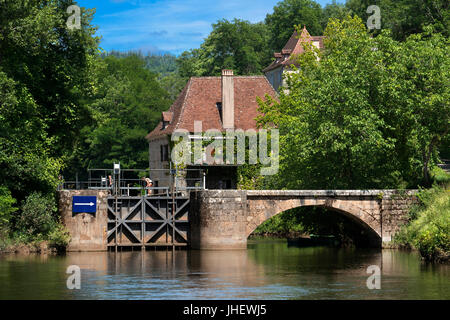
point(172, 109)
point(204, 77)
point(180, 96)
point(251, 76)
point(234, 76)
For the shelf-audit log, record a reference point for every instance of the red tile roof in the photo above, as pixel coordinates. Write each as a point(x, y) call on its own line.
point(293, 46)
point(198, 102)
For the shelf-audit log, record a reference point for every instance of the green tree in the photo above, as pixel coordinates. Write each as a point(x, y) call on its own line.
point(164, 65)
point(238, 45)
point(289, 13)
point(370, 114)
point(429, 227)
point(7, 208)
point(406, 17)
point(127, 106)
point(51, 62)
point(421, 97)
point(334, 10)
point(173, 84)
point(25, 161)
point(46, 77)
point(192, 63)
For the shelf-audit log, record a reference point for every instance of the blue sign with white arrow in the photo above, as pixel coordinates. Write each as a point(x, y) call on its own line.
point(86, 204)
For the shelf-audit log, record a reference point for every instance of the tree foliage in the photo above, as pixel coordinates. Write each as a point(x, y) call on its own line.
point(238, 45)
point(7, 206)
point(369, 114)
point(64, 108)
point(164, 65)
point(45, 75)
point(50, 62)
point(334, 10)
point(248, 47)
point(127, 104)
point(406, 17)
point(289, 13)
point(45, 78)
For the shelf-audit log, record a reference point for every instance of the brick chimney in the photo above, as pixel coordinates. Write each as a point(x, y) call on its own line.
point(227, 99)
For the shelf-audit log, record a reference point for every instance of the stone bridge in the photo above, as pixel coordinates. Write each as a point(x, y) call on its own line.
point(223, 219)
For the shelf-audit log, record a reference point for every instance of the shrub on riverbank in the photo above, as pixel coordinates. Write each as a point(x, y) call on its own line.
point(429, 228)
point(36, 224)
point(37, 216)
point(55, 241)
point(59, 237)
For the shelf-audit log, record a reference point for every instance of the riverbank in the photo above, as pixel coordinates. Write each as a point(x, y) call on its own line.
point(429, 227)
point(38, 247)
point(36, 227)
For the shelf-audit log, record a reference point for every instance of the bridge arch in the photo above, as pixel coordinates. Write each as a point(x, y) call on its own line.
point(223, 219)
point(261, 210)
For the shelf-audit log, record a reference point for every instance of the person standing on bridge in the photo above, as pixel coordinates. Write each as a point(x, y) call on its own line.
point(149, 184)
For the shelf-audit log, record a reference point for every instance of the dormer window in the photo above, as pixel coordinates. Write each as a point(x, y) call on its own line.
point(278, 56)
point(166, 119)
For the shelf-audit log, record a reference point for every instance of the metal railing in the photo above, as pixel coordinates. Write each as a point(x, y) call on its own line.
point(129, 181)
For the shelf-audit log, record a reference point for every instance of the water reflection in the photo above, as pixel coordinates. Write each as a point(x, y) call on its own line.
point(268, 269)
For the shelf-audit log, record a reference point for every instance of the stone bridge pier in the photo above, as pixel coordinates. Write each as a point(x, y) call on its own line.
point(223, 219)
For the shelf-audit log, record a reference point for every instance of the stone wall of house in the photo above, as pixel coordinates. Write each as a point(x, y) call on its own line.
point(159, 170)
point(275, 77)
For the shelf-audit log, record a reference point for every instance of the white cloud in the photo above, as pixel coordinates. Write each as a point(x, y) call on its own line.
point(133, 24)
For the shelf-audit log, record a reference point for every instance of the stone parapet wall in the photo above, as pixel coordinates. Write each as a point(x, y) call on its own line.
point(218, 219)
point(87, 230)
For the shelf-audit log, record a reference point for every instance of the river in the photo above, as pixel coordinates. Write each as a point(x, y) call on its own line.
point(268, 269)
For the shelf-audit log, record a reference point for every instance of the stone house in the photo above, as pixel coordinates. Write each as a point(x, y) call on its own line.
point(225, 102)
point(286, 58)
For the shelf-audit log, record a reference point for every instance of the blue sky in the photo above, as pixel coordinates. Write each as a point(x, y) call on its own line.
point(168, 25)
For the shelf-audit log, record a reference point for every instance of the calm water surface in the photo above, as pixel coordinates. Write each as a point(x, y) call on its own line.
point(268, 269)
